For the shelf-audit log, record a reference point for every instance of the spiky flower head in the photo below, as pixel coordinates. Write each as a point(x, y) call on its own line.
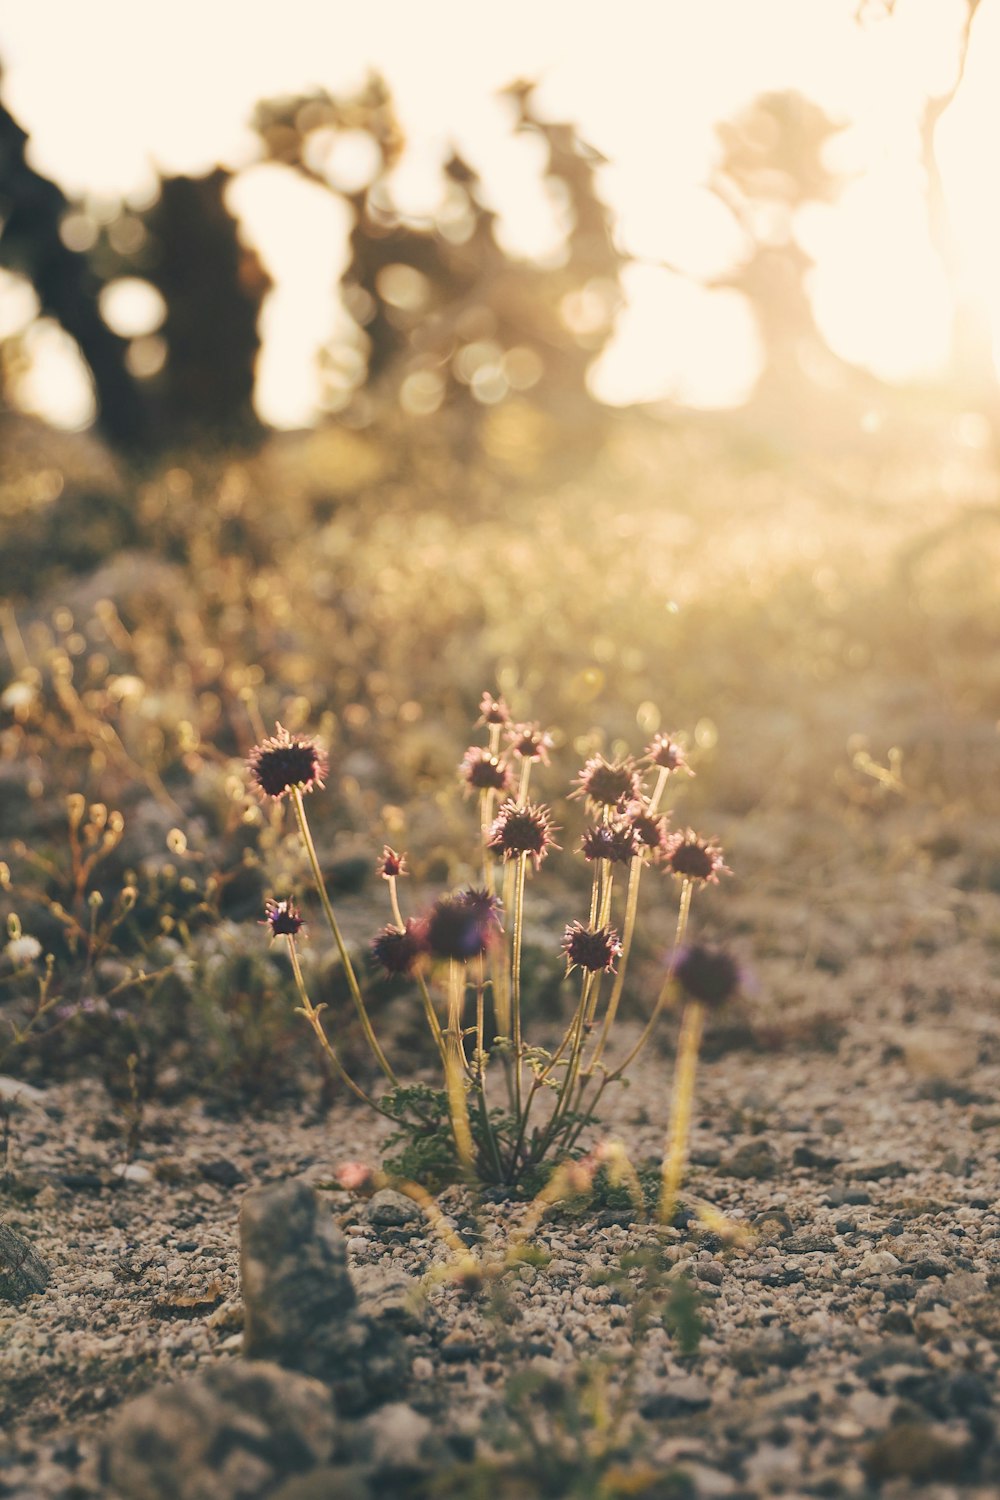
point(694, 858)
point(396, 950)
point(591, 950)
point(283, 918)
point(608, 783)
point(666, 753)
point(390, 864)
point(286, 763)
point(530, 742)
point(484, 771)
point(709, 975)
point(650, 829)
point(493, 710)
point(522, 830)
point(615, 842)
point(462, 926)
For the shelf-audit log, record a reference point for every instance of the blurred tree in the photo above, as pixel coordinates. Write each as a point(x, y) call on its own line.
point(212, 286)
point(32, 210)
point(450, 320)
point(972, 353)
point(444, 319)
point(771, 166)
point(186, 245)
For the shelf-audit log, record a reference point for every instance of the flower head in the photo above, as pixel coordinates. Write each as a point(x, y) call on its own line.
point(283, 918)
point(530, 742)
point(396, 950)
point(666, 753)
point(493, 710)
point(484, 771)
point(695, 858)
point(591, 950)
point(522, 830)
point(650, 829)
point(391, 864)
point(708, 975)
point(608, 783)
point(23, 949)
point(462, 926)
point(286, 763)
point(615, 842)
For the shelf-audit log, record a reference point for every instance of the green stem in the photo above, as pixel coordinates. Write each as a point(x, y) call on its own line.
point(348, 967)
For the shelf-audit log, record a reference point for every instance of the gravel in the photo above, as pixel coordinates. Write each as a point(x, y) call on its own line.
point(852, 1342)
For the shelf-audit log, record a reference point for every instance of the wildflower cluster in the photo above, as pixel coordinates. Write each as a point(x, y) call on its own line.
point(509, 1107)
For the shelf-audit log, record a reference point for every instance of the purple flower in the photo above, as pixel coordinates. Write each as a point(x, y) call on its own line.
point(708, 975)
point(591, 950)
point(522, 830)
point(396, 950)
point(286, 763)
point(283, 918)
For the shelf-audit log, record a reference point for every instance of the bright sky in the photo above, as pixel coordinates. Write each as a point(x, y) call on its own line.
point(112, 89)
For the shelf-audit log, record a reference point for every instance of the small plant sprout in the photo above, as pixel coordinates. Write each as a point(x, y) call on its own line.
point(708, 978)
point(465, 954)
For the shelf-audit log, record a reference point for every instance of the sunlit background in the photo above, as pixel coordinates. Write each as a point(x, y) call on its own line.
point(111, 93)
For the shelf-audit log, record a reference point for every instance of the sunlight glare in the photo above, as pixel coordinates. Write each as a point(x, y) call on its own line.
point(679, 341)
point(56, 383)
point(300, 232)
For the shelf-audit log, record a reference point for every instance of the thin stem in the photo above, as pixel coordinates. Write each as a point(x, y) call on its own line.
point(397, 915)
point(591, 1108)
point(522, 864)
point(686, 1067)
point(480, 1072)
point(312, 1015)
point(422, 1198)
point(455, 1067)
point(431, 1014)
point(661, 782)
point(575, 1036)
point(348, 967)
point(683, 913)
point(628, 931)
point(486, 797)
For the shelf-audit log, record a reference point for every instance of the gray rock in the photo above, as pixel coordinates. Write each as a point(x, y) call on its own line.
point(301, 1308)
point(231, 1434)
point(389, 1209)
point(398, 1443)
point(293, 1268)
point(774, 1347)
point(754, 1160)
point(385, 1292)
point(331, 1482)
point(677, 1398)
point(916, 1452)
point(22, 1272)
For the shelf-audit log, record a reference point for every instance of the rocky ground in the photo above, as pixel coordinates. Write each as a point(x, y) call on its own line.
point(849, 1346)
